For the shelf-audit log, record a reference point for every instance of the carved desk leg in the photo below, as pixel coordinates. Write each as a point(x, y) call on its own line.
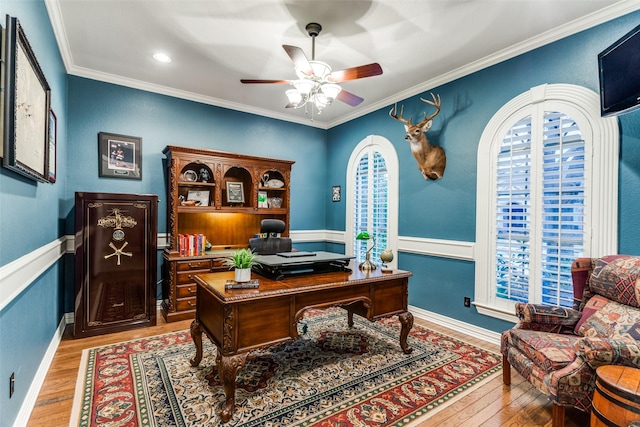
point(406, 319)
point(228, 367)
point(196, 335)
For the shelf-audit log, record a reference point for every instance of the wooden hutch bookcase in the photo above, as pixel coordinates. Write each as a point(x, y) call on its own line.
point(223, 197)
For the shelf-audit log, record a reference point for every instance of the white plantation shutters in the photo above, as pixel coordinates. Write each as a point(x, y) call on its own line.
point(513, 208)
point(563, 206)
point(540, 209)
point(547, 193)
point(371, 204)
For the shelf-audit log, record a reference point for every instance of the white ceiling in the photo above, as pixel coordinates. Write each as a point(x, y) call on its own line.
point(214, 43)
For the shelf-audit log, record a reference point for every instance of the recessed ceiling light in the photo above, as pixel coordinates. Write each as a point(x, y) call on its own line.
point(161, 57)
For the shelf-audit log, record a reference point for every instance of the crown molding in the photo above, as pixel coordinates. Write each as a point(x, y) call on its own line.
point(616, 10)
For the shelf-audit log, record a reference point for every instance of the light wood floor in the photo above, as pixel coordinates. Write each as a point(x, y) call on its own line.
point(492, 404)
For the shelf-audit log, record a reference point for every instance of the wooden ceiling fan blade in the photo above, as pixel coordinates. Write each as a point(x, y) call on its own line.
point(349, 98)
point(354, 73)
point(251, 81)
point(299, 59)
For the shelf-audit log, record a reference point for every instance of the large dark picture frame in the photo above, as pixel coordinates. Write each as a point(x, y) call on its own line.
point(120, 156)
point(27, 99)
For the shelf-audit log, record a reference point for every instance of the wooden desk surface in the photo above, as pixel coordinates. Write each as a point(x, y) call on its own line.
point(293, 284)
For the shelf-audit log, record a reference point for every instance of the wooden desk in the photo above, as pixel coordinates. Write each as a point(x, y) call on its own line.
point(238, 321)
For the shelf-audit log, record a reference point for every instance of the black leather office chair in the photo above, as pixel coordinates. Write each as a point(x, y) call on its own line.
point(270, 245)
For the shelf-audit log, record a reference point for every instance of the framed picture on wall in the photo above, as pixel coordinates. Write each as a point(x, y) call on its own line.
point(27, 97)
point(335, 193)
point(53, 140)
point(119, 156)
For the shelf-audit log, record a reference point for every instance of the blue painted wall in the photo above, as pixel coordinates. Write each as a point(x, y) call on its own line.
point(162, 120)
point(445, 209)
point(33, 215)
point(30, 217)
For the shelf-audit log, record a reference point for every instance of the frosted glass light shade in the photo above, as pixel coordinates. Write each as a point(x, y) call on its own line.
point(331, 90)
point(294, 96)
point(304, 86)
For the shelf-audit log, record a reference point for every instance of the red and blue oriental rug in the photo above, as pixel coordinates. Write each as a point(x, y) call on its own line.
point(332, 375)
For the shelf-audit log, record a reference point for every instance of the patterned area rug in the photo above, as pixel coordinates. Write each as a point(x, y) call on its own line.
point(332, 375)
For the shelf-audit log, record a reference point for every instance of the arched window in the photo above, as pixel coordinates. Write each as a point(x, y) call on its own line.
point(372, 198)
point(547, 194)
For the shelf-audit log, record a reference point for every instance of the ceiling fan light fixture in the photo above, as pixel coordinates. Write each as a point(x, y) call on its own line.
point(304, 86)
point(316, 86)
point(294, 96)
point(330, 90)
point(320, 69)
point(320, 101)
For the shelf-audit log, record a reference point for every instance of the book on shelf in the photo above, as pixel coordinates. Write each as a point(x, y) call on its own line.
point(191, 244)
point(265, 235)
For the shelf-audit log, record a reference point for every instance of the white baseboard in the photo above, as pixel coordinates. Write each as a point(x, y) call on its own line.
point(456, 325)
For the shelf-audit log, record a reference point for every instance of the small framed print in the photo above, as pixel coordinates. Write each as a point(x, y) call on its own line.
point(262, 199)
point(120, 156)
point(200, 197)
point(235, 192)
point(335, 193)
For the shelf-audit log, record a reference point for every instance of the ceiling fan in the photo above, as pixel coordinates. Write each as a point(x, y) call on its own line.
point(317, 84)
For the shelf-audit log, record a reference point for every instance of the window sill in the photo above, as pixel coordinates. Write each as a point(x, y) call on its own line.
point(496, 312)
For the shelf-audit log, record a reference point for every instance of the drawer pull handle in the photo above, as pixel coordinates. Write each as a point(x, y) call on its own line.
point(191, 304)
point(191, 290)
point(193, 265)
point(190, 276)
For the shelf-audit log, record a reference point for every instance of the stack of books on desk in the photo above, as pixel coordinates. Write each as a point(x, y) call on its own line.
point(232, 284)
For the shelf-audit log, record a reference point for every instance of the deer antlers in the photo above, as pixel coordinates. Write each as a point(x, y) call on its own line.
point(436, 103)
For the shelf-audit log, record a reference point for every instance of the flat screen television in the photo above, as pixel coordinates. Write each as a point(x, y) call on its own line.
point(619, 66)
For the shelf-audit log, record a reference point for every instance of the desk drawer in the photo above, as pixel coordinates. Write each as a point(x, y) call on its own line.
point(218, 265)
point(201, 264)
point(184, 304)
point(188, 277)
point(186, 291)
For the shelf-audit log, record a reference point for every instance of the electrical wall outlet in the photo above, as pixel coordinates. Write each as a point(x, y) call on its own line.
point(467, 302)
point(12, 384)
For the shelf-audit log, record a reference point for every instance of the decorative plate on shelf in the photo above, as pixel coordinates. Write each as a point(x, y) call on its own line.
point(274, 183)
point(190, 176)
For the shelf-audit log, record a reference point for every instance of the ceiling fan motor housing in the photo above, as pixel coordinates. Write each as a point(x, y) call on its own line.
point(313, 29)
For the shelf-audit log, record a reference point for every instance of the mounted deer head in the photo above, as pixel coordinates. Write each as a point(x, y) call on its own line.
point(431, 158)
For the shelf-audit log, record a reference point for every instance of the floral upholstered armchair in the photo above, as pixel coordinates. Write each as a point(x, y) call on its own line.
point(558, 349)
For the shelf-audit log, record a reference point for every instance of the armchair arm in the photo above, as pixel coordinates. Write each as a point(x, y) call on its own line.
point(609, 351)
point(547, 318)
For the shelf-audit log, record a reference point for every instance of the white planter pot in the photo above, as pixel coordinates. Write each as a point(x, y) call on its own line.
point(242, 275)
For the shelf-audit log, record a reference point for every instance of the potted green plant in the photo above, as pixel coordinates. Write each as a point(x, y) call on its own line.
point(242, 260)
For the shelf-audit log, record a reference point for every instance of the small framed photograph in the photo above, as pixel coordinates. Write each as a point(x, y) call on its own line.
point(235, 192)
point(120, 156)
point(262, 199)
point(53, 136)
point(335, 193)
point(200, 197)
point(26, 105)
